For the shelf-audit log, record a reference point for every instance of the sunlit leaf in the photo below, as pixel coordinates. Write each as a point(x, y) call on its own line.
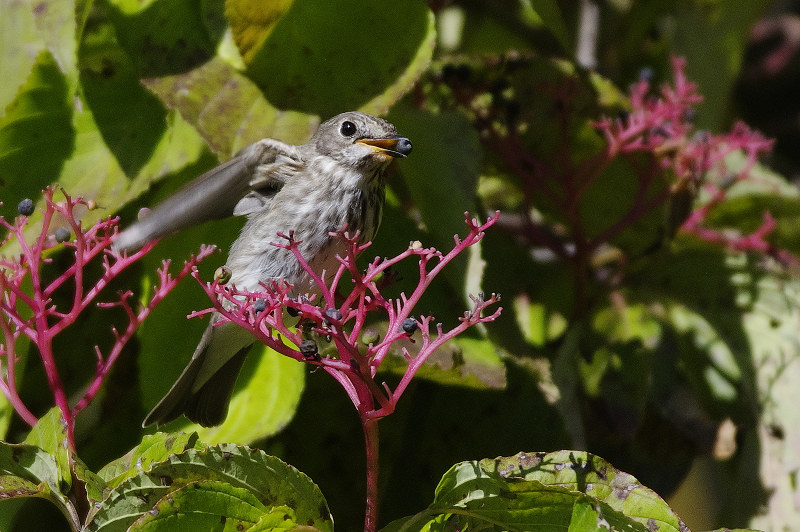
point(200, 486)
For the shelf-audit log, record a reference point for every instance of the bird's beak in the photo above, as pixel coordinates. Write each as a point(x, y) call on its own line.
point(393, 146)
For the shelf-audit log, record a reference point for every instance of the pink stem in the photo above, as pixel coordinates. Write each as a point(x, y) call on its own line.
point(371, 440)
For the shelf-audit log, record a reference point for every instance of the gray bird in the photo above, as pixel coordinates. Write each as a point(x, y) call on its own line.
point(337, 178)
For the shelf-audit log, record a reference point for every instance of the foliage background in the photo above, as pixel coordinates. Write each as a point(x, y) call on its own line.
point(654, 361)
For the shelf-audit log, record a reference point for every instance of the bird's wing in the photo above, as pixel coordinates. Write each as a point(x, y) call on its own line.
point(254, 172)
point(267, 180)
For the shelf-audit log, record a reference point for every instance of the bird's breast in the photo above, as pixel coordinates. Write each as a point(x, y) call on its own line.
point(321, 200)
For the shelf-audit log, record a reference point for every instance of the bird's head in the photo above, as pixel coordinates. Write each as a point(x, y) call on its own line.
point(360, 140)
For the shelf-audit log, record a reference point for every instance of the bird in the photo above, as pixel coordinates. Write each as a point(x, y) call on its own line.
point(336, 179)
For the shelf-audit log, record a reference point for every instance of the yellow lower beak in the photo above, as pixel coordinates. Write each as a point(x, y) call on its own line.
point(395, 147)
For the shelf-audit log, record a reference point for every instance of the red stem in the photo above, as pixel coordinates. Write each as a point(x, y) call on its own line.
point(371, 440)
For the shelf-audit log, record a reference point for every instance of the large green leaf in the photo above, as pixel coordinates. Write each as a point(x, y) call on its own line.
point(167, 37)
point(324, 58)
point(264, 403)
point(213, 485)
point(252, 21)
point(563, 490)
point(27, 29)
point(36, 134)
point(154, 448)
point(712, 36)
point(227, 109)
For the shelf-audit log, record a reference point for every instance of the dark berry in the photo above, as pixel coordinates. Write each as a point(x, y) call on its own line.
point(62, 234)
point(409, 325)
point(25, 207)
point(333, 314)
point(308, 348)
point(260, 305)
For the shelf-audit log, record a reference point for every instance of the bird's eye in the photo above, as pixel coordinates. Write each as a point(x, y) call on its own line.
point(348, 129)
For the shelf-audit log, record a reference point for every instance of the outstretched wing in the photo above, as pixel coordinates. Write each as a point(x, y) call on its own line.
point(242, 185)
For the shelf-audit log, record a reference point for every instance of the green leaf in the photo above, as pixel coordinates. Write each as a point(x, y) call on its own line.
point(50, 435)
point(199, 505)
point(542, 491)
point(200, 486)
point(167, 37)
point(227, 109)
point(94, 485)
point(28, 471)
point(464, 361)
point(154, 448)
point(553, 20)
point(324, 58)
point(130, 119)
point(36, 134)
point(251, 22)
point(442, 174)
point(27, 30)
point(712, 37)
point(266, 402)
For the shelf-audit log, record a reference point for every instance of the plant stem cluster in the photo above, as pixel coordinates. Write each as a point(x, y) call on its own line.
point(28, 308)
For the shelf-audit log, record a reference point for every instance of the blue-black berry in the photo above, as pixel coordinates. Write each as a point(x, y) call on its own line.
point(25, 207)
point(333, 314)
point(308, 348)
point(62, 234)
point(409, 325)
point(259, 305)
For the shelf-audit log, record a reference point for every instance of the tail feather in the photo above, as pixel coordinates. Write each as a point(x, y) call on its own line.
point(204, 388)
point(175, 402)
point(208, 406)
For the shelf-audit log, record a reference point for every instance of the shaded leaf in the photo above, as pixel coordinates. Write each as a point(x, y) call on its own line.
point(167, 37)
point(553, 20)
point(28, 471)
point(264, 402)
point(36, 134)
point(324, 58)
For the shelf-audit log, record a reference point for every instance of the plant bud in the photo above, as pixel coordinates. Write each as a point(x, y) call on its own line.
point(370, 336)
point(223, 274)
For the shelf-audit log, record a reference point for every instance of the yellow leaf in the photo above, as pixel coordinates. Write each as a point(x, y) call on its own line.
point(252, 21)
